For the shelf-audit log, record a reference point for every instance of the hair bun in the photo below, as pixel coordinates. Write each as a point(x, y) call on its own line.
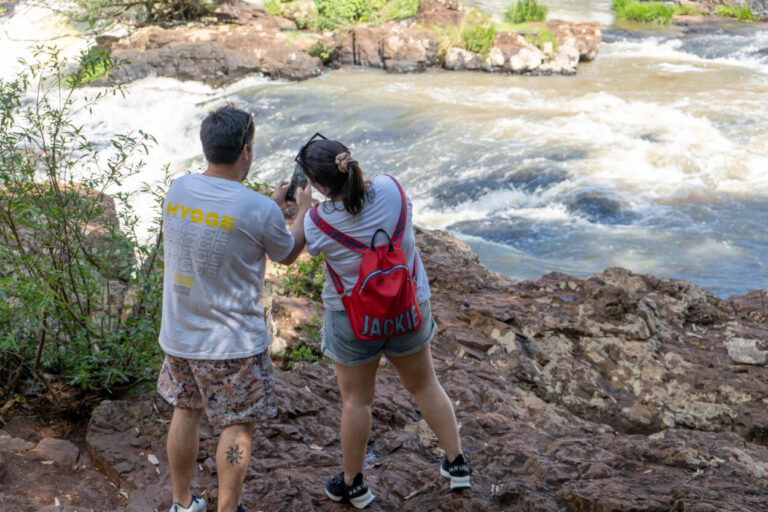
point(343, 160)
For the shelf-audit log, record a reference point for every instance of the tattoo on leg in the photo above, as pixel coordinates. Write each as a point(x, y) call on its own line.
point(234, 454)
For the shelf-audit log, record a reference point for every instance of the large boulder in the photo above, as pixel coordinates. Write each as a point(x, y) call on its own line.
point(585, 36)
point(392, 47)
point(217, 55)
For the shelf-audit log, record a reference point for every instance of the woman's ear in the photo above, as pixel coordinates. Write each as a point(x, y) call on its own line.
point(323, 190)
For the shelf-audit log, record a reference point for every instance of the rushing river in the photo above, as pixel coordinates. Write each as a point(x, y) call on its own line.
point(654, 157)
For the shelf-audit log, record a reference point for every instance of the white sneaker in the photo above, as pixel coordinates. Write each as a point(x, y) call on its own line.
point(196, 505)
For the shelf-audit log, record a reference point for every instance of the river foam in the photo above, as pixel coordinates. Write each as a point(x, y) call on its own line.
point(653, 157)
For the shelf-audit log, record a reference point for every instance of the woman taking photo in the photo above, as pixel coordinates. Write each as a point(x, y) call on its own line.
point(342, 228)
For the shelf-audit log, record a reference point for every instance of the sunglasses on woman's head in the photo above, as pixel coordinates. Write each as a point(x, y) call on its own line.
point(311, 139)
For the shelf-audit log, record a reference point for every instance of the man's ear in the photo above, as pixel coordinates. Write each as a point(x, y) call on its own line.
point(244, 152)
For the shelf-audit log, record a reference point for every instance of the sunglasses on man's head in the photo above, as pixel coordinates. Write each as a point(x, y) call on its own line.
point(311, 139)
point(248, 126)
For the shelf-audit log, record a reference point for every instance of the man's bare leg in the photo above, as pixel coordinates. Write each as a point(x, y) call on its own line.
point(232, 457)
point(182, 447)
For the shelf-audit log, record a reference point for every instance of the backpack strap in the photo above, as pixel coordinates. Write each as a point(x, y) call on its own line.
point(346, 241)
point(397, 236)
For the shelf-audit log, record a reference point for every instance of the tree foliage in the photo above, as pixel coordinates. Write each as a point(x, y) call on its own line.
point(80, 293)
point(141, 12)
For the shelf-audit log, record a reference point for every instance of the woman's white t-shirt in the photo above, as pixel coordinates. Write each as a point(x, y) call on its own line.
point(380, 211)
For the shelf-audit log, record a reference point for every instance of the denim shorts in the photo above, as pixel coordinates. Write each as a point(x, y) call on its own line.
point(340, 344)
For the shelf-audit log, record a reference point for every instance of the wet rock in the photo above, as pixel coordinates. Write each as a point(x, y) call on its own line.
point(457, 59)
point(565, 60)
point(60, 451)
point(405, 50)
point(759, 8)
point(748, 351)
point(392, 47)
point(526, 60)
point(585, 36)
point(217, 55)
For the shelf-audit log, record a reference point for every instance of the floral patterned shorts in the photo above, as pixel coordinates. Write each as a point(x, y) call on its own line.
point(232, 391)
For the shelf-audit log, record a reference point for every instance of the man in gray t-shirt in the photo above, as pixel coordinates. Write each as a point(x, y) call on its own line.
point(216, 236)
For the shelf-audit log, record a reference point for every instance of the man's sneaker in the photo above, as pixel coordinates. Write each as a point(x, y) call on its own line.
point(196, 505)
point(357, 494)
point(457, 471)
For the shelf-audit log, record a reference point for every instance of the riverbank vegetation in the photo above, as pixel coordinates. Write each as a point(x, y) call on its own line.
point(334, 14)
point(524, 11)
point(81, 292)
point(741, 13)
point(659, 13)
point(140, 12)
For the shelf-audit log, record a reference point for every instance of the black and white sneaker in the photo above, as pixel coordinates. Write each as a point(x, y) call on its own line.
point(357, 494)
point(196, 505)
point(457, 471)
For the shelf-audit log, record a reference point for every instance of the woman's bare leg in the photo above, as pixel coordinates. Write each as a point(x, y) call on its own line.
point(417, 373)
point(357, 385)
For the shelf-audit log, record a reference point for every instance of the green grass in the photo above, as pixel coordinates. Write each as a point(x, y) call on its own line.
point(526, 10)
point(658, 13)
point(741, 13)
point(542, 34)
point(471, 37)
point(478, 38)
point(397, 10)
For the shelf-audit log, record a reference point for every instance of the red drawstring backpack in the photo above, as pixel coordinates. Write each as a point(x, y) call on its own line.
point(383, 302)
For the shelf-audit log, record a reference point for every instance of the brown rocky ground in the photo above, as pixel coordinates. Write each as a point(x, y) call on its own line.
point(611, 393)
point(615, 392)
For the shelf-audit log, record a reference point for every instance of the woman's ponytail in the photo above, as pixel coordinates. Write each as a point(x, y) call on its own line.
point(329, 163)
point(354, 195)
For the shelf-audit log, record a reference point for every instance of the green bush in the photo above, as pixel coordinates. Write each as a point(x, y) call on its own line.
point(273, 7)
point(81, 294)
point(305, 279)
point(478, 38)
point(658, 13)
point(526, 10)
point(741, 13)
point(335, 13)
point(321, 51)
point(400, 10)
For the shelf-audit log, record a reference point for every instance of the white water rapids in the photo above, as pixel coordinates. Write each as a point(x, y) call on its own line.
point(654, 157)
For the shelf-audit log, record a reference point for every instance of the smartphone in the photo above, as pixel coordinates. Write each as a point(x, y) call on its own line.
point(299, 179)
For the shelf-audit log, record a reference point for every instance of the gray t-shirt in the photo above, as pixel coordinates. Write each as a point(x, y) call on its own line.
point(216, 234)
point(380, 212)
